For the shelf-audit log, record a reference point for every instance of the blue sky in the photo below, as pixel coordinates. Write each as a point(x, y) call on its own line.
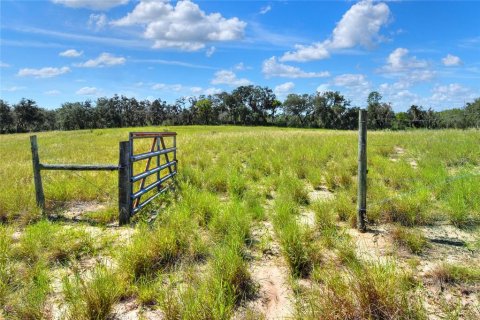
point(412, 52)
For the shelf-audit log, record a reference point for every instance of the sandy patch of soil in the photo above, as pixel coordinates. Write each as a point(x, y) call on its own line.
point(307, 218)
point(75, 210)
point(399, 152)
point(131, 310)
point(270, 272)
point(374, 245)
point(319, 194)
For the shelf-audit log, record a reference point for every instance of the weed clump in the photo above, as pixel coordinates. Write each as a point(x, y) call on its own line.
point(93, 298)
point(369, 291)
point(413, 240)
point(161, 247)
point(453, 273)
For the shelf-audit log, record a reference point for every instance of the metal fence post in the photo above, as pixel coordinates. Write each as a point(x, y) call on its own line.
point(362, 170)
point(124, 189)
point(37, 177)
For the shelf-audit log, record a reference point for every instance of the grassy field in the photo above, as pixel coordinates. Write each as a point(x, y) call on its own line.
point(261, 226)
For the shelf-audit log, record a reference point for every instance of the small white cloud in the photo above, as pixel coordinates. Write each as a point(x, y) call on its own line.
point(399, 61)
point(97, 21)
point(351, 80)
point(104, 60)
point(359, 26)
point(207, 92)
point(4, 65)
point(451, 61)
point(13, 89)
point(408, 68)
point(323, 87)
point(182, 26)
point(87, 91)
point(47, 72)
point(91, 4)
point(210, 52)
point(239, 66)
point(265, 9)
point(196, 90)
point(71, 53)
point(211, 91)
point(450, 92)
point(271, 68)
point(229, 78)
point(283, 89)
point(52, 92)
point(167, 87)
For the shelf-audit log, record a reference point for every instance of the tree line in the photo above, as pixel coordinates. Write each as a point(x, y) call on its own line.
point(245, 105)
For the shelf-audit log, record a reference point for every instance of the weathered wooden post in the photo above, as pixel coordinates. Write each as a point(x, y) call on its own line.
point(124, 184)
point(362, 170)
point(37, 177)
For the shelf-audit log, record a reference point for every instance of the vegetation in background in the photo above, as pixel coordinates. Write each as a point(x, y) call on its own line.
point(245, 105)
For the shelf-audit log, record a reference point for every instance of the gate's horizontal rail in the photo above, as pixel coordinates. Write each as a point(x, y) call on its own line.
point(143, 204)
point(78, 167)
point(153, 185)
point(150, 172)
point(147, 155)
point(136, 135)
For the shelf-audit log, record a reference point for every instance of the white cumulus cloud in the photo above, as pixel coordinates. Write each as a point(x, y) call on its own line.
point(207, 91)
point(183, 26)
point(91, 4)
point(47, 72)
point(4, 65)
point(451, 61)
point(283, 89)
point(351, 80)
point(71, 53)
point(399, 60)
point(103, 60)
point(229, 78)
point(359, 26)
point(272, 68)
point(408, 68)
point(453, 92)
point(88, 91)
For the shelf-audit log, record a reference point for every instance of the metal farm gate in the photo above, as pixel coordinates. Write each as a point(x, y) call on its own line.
point(140, 174)
point(150, 181)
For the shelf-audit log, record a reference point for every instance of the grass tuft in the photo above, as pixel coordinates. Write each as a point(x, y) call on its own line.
point(411, 239)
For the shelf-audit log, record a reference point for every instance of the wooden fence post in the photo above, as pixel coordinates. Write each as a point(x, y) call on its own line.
point(124, 184)
point(37, 177)
point(362, 170)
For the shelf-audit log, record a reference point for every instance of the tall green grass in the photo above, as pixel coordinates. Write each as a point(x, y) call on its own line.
point(193, 261)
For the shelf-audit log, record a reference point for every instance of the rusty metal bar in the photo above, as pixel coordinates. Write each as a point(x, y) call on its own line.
point(135, 135)
point(151, 186)
point(152, 171)
point(78, 167)
point(166, 155)
point(146, 155)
